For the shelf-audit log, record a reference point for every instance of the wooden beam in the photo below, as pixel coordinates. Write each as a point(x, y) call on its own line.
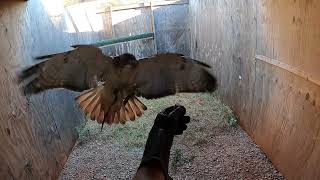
point(131, 6)
point(289, 68)
point(166, 3)
point(153, 27)
point(114, 41)
point(144, 5)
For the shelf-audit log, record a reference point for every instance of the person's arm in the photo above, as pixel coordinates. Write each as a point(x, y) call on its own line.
point(155, 162)
point(151, 171)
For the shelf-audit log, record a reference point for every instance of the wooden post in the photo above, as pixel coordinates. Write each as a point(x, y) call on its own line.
point(153, 28)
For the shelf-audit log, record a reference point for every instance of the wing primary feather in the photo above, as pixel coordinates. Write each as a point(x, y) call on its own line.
point(101, 117)
point(83, 45)
point(45, 56)
point(199, 62)
point(92, 104)
point(96, 112)
point(126, 114)
point(130, 112)
point(50, 55)
point(32, 87)
point(88, 100)
point(140, 104)
point(84, 96)
point(210, 81)
point(27, 72)
point(84, 104)
point(110, 118)
point(122, 117)
point(116, 118)
point(135, 108)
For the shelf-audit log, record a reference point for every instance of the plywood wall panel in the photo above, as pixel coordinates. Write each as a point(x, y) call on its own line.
point(277, 108)
point(289, 32)
point(132, 22)
point(37, 133)
point(208, 36)
point(140, 48)
point(286, 121)
point(172, 28)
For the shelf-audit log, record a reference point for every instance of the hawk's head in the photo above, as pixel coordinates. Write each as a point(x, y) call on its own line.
point(125, 59)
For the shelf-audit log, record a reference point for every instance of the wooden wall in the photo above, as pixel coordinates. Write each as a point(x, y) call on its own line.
point(168, 20)
point(171, 28)
point(140, 22)
point(37, 133)
point(266, 56)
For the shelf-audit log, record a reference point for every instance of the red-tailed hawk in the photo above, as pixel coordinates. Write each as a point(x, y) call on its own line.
point(110, 86)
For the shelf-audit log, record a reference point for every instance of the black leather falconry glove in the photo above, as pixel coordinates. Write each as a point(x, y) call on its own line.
point(168, 123)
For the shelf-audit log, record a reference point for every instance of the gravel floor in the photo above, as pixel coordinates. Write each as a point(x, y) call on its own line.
point(209, 149)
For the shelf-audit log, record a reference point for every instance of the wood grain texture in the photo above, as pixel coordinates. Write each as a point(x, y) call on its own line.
point(37, 133)
point(289, 32)
point(130, 22)
point(140, 48)
point(171, 28)
point(35, 139)
point(289, 68)
point(170, 24)
point(278, 109)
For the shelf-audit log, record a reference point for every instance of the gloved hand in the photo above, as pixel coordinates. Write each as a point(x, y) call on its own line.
point(168, 123)
point(172, 120)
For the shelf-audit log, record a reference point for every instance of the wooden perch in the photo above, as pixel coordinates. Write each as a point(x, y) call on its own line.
point(113, 41)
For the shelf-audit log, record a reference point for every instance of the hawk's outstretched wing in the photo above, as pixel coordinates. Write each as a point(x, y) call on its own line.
point(76, 70)
point(168, 74)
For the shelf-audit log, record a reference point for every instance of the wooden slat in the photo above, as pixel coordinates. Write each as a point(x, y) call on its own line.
point(131, 6)
point(166, 3)
point(153, 26)
point(144, 5)
point(140, 48)
point(113, 41)
point(171, 28)
point(289, 68)
point(138, 24)
point(288, 31)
